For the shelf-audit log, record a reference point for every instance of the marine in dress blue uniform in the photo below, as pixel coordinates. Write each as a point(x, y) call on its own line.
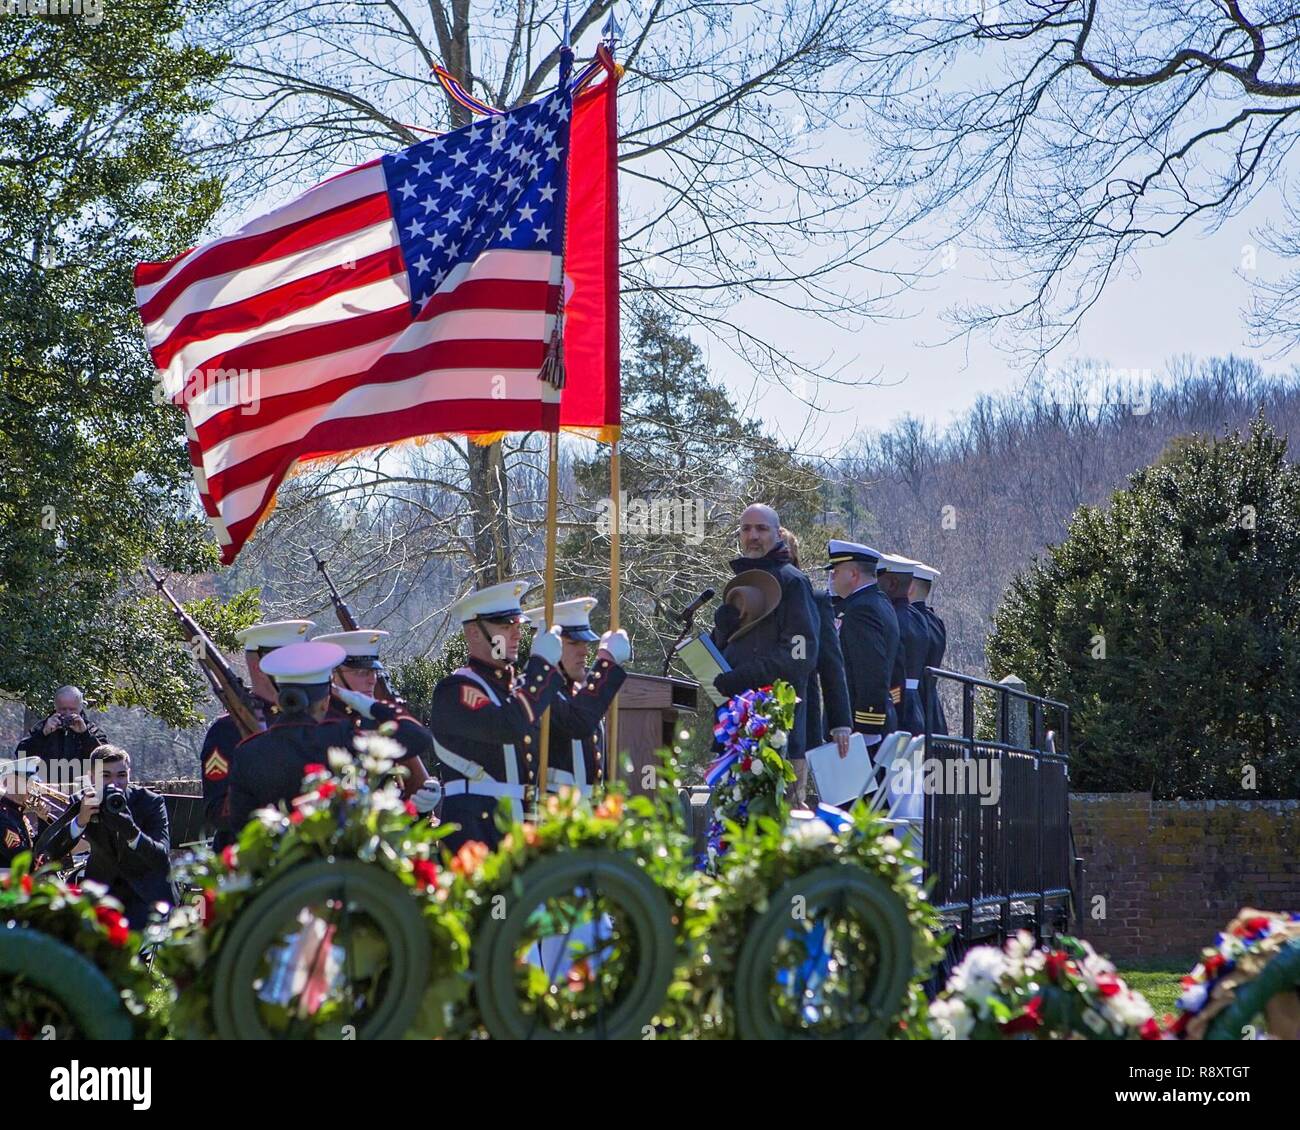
point(224, 734)
point(267, 768)
point(869, 641)
point(352, 700)
point(19, 825)
point(895, 575)
point(578, 755)
point(486, 719)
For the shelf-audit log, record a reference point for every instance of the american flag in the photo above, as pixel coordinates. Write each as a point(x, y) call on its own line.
point(414, 295)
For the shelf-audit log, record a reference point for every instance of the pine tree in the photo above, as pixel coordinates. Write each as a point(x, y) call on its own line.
point(1169, 620)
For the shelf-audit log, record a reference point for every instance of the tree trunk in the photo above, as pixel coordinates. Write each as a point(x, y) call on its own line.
point(490, 497)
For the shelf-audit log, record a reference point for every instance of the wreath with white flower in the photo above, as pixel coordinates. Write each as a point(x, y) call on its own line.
point(816, 931)
point(1247, 983)
point(1066, 992)
point(330, 919)
point(750, 775)
point(583, 923)
point(69, 964)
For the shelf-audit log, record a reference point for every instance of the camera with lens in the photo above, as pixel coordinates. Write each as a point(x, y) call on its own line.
point(114, 801)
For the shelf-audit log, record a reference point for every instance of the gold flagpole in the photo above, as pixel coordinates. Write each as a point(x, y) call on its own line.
point(611, 730)
point(552, 522)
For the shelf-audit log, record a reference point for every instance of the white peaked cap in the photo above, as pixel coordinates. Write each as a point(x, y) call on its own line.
point(892, 563)
point(303, 664)
point(363, 642)
point(573, 617)
point(839, 551)
point(276, 633)
point(496, 602)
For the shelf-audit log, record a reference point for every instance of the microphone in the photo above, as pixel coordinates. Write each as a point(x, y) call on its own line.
point(687, 614)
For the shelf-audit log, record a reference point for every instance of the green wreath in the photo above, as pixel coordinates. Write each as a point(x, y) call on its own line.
point(329, 921)
point(1280, 975)
point(871, 909)
point(850, 959)
point(586, 923)
point(644, 948)
point(394, 965)
point(68, 963)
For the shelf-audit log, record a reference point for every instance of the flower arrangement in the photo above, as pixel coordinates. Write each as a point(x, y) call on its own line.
point(763, 858)
point(92, 924)
point(1067, 992)
point(574, 959)
point(750, 776)
point(1239, 956)
point(350, 810)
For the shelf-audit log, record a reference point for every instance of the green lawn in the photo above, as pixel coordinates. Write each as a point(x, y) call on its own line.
point(1157, 979)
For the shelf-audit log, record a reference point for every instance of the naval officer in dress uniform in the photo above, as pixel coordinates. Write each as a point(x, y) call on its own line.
point(353, 698)
point(894, 573)
point(224, 734)
point(868, 628)
point(578, 755)
point(267, 768)
point(486, 721)
point(923, 578)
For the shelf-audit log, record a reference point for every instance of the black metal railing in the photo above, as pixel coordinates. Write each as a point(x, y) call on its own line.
point(996, 828)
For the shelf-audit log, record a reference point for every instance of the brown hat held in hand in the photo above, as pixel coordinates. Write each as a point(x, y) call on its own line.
point(755, 593)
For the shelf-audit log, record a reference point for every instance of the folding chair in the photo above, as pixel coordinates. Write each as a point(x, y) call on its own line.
point(887, 751)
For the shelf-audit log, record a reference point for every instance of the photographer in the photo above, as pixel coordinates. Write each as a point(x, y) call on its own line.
point(63, 736)
point(126, 828)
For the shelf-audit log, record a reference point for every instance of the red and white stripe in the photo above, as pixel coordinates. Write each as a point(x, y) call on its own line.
point(311, 304)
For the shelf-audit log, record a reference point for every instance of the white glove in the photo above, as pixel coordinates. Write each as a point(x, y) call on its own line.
point(359, 702)
point(428, 796)
point(548, 646)
point(618, 646)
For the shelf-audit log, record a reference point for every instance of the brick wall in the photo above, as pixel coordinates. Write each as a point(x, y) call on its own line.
point(1173, 873)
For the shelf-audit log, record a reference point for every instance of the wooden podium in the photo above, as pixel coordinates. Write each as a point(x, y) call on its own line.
point(649, 707)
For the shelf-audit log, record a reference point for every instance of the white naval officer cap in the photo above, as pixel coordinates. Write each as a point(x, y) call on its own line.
point(923, 572)
point(495, 602)
point(362, 647)
point(275, 633)
point(892, 563)
point(839, 551)
point(303, 664)
point(573, 617)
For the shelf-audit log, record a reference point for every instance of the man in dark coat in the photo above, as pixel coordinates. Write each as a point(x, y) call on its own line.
point(923, 580)
point(894, 574)
point(64, 736)
point(868, 630)
point(830, 717)
point(782, 645)
point(129, 850)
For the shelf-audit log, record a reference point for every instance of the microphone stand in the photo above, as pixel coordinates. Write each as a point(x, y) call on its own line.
point(689, 621)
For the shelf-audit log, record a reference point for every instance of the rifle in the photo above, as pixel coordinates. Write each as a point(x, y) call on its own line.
point(226, 684)
point(349, 621)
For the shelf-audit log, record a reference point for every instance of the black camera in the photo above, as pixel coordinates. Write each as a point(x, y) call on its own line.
point(114, 801)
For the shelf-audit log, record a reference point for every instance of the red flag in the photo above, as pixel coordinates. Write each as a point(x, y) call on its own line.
point(590, 400)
